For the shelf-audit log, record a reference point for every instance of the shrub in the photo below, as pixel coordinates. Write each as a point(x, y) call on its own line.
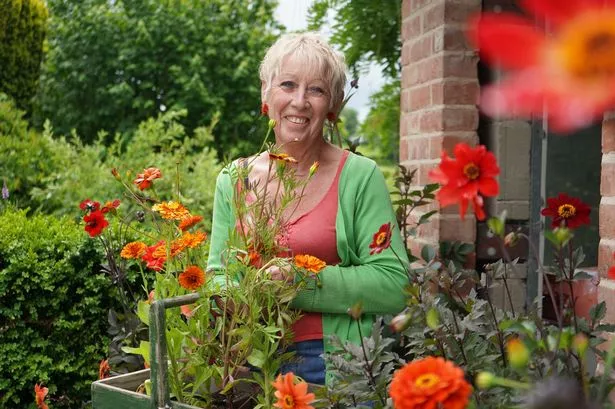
point(24, 26)
point(53, 305)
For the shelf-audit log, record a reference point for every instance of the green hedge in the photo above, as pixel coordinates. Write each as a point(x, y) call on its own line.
point(53, 309)
point(23, 26)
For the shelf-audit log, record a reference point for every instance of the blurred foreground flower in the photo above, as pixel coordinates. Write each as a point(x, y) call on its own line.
point(104, 370)
point(570, 211)
point(467, 177)
point(571, 73)
point(290, 395)
point(430, 383)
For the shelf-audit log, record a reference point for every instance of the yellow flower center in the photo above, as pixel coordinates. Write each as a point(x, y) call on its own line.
point(566, 211)
point(586, 46)
point(427, 380)
point(289, 402)
point(381, 238)
point(471, 171)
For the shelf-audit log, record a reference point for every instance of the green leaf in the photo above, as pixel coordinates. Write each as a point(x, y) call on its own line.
point(598, 312)
point(496, 226)
point(428, 253)
point(257, 358)
point(143, 311)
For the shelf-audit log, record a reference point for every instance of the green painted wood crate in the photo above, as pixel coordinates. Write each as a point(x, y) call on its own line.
point(119, 392)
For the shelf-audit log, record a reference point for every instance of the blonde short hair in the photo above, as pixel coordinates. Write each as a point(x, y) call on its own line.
point(316, 52)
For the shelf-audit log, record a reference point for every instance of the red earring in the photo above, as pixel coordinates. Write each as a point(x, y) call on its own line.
point(331, 116)
point(264, 108)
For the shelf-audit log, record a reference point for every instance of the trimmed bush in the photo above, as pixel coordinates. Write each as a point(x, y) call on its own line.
point(23, 26)
point(53, 309)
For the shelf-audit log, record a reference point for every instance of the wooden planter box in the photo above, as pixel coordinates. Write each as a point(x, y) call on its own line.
point(119, 392)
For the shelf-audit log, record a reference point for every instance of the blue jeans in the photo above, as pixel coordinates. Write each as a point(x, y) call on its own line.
point(308, 362)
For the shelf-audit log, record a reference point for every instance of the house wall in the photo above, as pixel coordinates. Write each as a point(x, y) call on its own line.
point(606, 289)
point(438, 101)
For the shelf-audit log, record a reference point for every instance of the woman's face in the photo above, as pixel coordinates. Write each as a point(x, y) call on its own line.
point(299, 102)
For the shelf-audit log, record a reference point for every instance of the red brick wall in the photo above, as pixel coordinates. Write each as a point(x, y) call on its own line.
point(438, 99)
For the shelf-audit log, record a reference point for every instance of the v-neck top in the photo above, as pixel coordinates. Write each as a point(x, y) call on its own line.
point(314, 233)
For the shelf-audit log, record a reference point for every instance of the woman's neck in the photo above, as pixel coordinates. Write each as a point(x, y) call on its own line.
point(306, 155)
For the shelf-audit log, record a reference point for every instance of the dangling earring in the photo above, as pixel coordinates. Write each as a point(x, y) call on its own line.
point(331, 117)
point(264, 108)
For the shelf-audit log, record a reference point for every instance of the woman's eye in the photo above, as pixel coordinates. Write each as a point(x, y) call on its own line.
point(287, 84)
point(316, 91)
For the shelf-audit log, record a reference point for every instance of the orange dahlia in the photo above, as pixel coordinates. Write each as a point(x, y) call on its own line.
point(104, 369)
point(41, 393)
point(570, 70)
point(290, 395)
point(310, 263)
point(430, 383)
point(144, 180)
point(189, 221)
point(192, 278)
point(133, 249)
point(171, 210)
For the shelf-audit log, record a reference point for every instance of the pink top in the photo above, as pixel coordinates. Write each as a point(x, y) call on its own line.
point(314, 233)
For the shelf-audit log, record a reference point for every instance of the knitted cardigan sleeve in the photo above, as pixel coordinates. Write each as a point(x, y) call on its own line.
point(377, 280)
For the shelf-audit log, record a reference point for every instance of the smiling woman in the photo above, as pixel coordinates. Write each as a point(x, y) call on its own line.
point(331, 223)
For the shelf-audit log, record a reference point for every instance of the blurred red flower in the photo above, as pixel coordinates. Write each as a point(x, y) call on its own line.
point(95, 223)
point(467, 177)
point(570, 211)
point(570, 71)
point(104, 369)
point(152, 257)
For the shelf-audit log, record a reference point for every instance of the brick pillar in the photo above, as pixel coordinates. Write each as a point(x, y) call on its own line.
point(606, 290)
point(438, 100)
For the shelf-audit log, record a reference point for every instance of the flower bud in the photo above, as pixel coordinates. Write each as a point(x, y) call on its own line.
point(313, 168)
point(116, 174)
point(580, 343)
point(517, 353)
point(433, 318)
point(400, 322)
point(511, 239)
point(484, 380)
point(356, 310)
point(272, 123)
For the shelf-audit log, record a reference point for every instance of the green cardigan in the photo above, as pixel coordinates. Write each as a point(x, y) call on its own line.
point(377, 281)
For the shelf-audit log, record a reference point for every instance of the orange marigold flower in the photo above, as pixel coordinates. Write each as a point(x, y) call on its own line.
point(189, 221)
point(104, 369)
point(466, 178)
point(430, 383)
point(144, 180)
point(177, 246)
point(41, 393)
point(290, 395)
point(310, 263)
point(382, 239)
point(192, 278)
point(171, 210)
point(282, 157)
point(192, 240)
point(134, 249)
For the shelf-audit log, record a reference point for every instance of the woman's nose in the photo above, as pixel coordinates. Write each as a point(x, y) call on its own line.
point(300, 97)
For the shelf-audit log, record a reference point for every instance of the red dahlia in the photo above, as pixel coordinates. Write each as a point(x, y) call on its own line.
point(566, 210)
